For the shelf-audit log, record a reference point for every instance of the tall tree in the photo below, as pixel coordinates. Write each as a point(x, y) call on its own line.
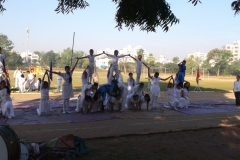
point(5, 43)
point(147, 14)
point(220, 57)
point(150, 60)
point(176, 60)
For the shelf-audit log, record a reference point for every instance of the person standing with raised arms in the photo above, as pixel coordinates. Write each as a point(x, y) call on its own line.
point(139, 67)
point(67, 89)
point(91, 65)
point(114, 64)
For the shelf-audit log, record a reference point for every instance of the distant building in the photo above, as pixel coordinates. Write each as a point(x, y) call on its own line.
point(234, 48)
point(202, 56)
point(30, 56)
point(103, 60)
point(162, 59)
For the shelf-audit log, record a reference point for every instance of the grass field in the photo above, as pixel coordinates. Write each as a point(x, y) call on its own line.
point(211, 83)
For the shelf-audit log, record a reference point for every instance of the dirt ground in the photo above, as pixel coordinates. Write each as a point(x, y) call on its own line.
point(216, 143)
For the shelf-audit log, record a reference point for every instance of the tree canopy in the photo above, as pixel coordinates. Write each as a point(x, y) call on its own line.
point(147, 14)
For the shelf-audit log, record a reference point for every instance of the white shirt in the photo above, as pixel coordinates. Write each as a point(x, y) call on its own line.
point(139, 66)
point(1, 59)
point(236, 86)
point(115, 59)
point(15, 73)
point(91, 59)
point(120, 78)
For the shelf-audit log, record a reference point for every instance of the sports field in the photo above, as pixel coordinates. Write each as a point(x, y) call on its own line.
point(207, 83)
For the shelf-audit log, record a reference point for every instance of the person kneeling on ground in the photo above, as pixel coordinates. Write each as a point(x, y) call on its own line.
point(146, 99)
point(133, 102)
point(115, 101)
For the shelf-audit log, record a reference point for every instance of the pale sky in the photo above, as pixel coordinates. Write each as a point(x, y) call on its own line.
point(204, 27)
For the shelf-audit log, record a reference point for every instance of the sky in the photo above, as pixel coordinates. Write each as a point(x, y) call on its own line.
point(203, 27)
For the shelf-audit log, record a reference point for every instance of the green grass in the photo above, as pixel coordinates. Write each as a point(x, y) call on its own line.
point(212, 83)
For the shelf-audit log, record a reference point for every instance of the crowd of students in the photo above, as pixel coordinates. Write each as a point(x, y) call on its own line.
point(112, 96)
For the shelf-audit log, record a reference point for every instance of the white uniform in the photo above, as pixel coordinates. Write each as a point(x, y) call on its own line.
point(129, 102)
point(120, 78)
point(67, 91)
point(172, 101)
point(137, 90)
point(131, 84)
point(15, 74)
point(84, 80)
point(44, 105)
point(182, 101)
point(31, 81)
point(6, 104)
point(138, 70)
point(21, 83)
point(96, 105)
point(81, 100)
point(115, 102)
point(1, 66)
point(59, 83)
point(155, 88)
point(123, 94)
point(91, 65)
point(114, 67)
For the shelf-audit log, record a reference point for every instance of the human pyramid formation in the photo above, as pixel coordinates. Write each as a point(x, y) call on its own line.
point(113, 96)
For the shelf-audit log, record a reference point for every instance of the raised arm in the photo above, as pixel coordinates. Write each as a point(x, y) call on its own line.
point(166, 78)
point(82, 57)
point(75, 65)
point(109, 70)
point(149, 76)
point(132, 57)
point(145, 64)
point(44, 75)
point(99, 54)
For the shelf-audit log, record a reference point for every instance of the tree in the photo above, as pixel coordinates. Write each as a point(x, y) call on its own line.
point(5, 43)
point(67, 56)
point(147, 14)
point(47, 57)
point(12, 59)
point(234, 68)
point(150, 60)
point(172, 67)
point(220, 57)
point(176, 60)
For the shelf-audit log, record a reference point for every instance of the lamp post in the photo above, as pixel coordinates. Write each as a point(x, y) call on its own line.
point(26, 56)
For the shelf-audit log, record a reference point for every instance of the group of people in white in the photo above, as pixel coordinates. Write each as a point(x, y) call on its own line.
point(113, 96)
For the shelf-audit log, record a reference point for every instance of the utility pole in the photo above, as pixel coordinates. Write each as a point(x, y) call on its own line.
point(26, 56)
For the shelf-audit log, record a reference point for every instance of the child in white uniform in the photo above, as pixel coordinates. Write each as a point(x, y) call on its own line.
point(115, 103)
point(59, 83)
point(114, 67)
point(133, 102)
point(155, 87)
point(67, 89)
point(146, 99)
point(131, 83)
point(91, 65)
point(172, 101)
point(97, 102)
point(84, 77)
point(139, 67)
point(44, 106)
point(21, 81)
point(179, 97)
point(6, 101)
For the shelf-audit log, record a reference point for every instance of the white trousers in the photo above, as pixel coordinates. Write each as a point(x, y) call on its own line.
point(114, 68)
point(66, 105)
point(90, 72)
point(138, 77)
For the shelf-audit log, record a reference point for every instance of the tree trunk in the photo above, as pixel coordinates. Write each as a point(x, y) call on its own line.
point(218, 71)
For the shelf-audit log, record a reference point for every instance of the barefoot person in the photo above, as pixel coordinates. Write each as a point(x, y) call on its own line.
point(44, 106)
point(67, 89)
point(114, 64)
point(91, 65)
point(139, 67)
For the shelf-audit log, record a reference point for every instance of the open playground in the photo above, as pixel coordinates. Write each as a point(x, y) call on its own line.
point(208, 129)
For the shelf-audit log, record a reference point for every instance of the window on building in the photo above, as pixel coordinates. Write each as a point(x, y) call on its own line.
point(236, 47)
point(236, 51)
point(228, 47)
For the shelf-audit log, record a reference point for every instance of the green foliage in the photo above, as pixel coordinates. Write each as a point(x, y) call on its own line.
point(234, 68)
point(221, 58)
point(5, 43)
point(173, 67)
point(12, 59)
point(176, 60)
point(150, 60)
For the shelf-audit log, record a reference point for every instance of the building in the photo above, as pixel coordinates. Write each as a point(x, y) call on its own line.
point(200, 55)
point(103, 60)
point(162, 59)
point(234, 48)
point(30, 56)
